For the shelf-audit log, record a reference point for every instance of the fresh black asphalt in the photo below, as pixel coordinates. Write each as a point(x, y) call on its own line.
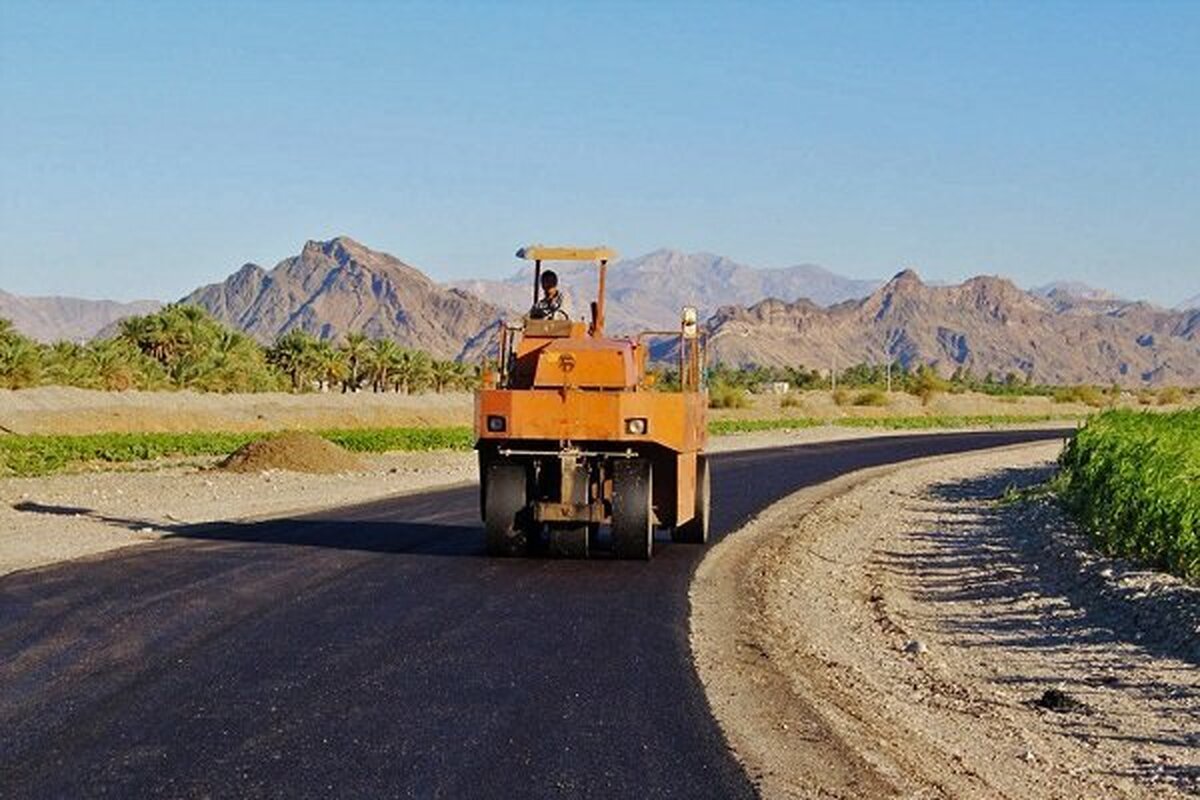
point(374, 651)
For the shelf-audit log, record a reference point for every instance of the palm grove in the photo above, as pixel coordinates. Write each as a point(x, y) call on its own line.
point(183, 347)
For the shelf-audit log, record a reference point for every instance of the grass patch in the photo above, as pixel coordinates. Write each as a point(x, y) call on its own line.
point(721, 427)
point(947, 421)
point(1132, 479)
point(43, 454)
point(725, 427)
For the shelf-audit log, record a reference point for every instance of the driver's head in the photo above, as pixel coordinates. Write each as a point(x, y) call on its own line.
point(549, 282)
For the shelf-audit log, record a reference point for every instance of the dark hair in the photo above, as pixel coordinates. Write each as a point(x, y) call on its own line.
point(549, 279)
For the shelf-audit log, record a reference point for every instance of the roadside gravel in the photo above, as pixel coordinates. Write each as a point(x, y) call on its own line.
point(902, 633)
point(54, 518)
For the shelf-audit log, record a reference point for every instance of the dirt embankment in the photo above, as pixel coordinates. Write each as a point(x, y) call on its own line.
point(902, 634)
point(64, 410)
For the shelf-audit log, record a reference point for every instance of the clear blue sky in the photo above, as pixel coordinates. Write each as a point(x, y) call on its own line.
point(146, 148)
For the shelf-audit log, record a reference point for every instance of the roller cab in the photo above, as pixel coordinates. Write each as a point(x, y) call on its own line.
point(578, 451)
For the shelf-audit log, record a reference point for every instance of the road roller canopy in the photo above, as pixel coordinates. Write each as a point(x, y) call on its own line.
point(540, 252)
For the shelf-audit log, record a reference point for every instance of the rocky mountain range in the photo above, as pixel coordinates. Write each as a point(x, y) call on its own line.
point(986, 324)
point(335, 287)
point(50, 319)
point(1058, 333)
point(648, 292)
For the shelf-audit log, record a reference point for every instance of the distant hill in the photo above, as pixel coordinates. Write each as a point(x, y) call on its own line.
point(648, 292)
point(986, 324)
point(1189, 304)
point(50, 319)
point(1073, 291)
point(335, 287)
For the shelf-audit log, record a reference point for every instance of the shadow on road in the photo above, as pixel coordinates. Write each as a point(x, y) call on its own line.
point(378, 536)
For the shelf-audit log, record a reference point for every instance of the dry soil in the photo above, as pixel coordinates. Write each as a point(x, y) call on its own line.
point(902, 634)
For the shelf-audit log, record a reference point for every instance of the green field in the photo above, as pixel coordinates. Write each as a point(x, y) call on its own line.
point(42, 454)
point(37, 454)
point(1133, 480)
point(722, 427)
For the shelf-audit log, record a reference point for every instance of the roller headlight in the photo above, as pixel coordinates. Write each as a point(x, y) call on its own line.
point(495, 423)
point(636, 426)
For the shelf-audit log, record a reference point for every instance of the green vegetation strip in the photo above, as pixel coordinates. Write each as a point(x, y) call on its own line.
point(729, 426)
point(43, 454)
point(35, 454)
point(1133, 480)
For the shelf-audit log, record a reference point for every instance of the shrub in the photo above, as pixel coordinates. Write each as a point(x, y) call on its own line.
point(1170, 396)
point(1088, 395)
point(841, 396)
point(871, 397)
point(928, 384)
point(725, 396)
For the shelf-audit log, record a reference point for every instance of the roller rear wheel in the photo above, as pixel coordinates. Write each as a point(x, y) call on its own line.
point(695, 530)
point(505, 508)
point(632, 510)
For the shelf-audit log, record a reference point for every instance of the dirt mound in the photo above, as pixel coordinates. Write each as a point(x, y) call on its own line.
point(295, 452)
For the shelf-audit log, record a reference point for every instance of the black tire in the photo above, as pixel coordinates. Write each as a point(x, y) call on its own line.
point(695, 530)
point(504, 510)
point(632, 513)
point(484, 463)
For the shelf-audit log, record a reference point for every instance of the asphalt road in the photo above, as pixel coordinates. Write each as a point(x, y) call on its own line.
point(375, 651)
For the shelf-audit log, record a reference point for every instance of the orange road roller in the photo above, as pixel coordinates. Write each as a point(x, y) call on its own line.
point(574, 438)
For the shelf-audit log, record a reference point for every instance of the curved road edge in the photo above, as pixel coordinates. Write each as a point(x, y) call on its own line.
point(751, 698)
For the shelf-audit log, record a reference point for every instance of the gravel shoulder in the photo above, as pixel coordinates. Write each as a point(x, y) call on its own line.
point(895, 633)
point(59, 517)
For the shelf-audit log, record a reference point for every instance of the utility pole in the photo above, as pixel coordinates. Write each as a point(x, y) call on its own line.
point(889, 373)
point(833, 375)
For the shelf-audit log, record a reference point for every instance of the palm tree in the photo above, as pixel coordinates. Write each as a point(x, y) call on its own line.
point(20, 362)
point(465, 377)
point(443, 374)
point(382, 359)
point(413, 371)
point(111, 361)
point(356, 349)
point(330, 364)
point(292, 354)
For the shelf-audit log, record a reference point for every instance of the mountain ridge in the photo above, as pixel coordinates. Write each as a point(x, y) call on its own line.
point(337, 286)
point(639, 299)
point(985, 324)
point(1061, 332)
point(53, 318)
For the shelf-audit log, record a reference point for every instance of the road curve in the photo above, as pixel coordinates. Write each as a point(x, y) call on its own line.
point(374, 651)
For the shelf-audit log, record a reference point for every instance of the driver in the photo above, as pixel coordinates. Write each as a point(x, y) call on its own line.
point(550, 304)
